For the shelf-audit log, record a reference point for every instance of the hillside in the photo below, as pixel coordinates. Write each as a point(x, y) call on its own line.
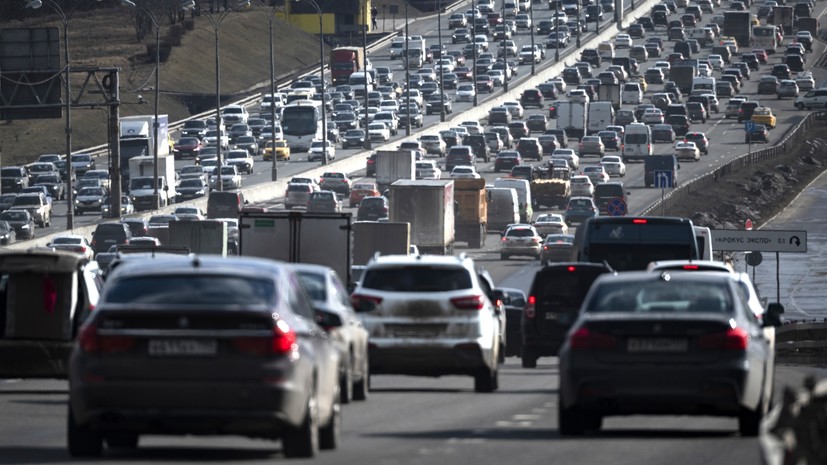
point(106, 38)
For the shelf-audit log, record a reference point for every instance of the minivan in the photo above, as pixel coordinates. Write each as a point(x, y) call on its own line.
point(225, 204)
point(606, 50)
point(556, 294)
point(503, 207)
point(523, 195)
point(108, 234)
point(816, 98)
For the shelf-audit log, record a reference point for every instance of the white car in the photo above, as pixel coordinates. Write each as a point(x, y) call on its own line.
point(613, 165)
point(652, 116)
point(465, 172)
point(550, 223)
point(482, 40)
point(379, 132)
point(473, 127)
point(427, 169)
point(465, 93)
point(805, 81)
point(208, 165)
point(427, 315)
point(569, 156)
point(703, 70)
point(230, 179)
point(386, 105)
point(582, 186)
point(559, 83)
point(189, 212)
point(315, 152)
point(446, 65)
point(497, 76)
point(687, 150)
point(717, 61)
point(596, 173)
point(623, 40)
point(73, 243)
point(514, 108)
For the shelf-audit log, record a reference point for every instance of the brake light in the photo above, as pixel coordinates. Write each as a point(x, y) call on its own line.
point(690, 267)
point(471, 302)
point(584, 339)
point(529, 310)
point(358, 300)
point(731, 339)
point(281, 341)
point(640, 221)
point(90, 341)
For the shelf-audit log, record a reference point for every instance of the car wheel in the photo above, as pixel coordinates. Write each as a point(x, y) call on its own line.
point(303, 441)
point(570, 421)
point(83, 442)
point(486, 380)
point(330, 434)
point(346, 383)
point(749, 421)
point(122, 441)
point(360, 388)
point(528, 358)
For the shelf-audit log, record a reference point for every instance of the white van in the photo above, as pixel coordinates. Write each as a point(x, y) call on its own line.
point(606, 50)
point(503, 207)
point(510, 8)
point(523, 189)
point(601, 114)
point(357, 81)
point(637, 142)
point(703, 236)
point(631, 93)
point(397, 47)
point(816, 98)
point(706, 84)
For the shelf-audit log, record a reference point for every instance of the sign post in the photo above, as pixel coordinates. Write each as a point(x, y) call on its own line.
point(749, 126)
point(663, 179)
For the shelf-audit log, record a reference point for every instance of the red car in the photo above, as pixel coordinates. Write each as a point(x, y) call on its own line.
point(187, 147)
point(761, 54)
point(485, 83)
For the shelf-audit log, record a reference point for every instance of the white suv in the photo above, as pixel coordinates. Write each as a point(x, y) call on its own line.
point(430, 315)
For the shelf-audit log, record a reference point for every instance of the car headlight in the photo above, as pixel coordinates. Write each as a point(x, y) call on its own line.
point(25, 226)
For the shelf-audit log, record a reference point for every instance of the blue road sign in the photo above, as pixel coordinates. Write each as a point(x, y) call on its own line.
point(663, 178)
point(749, 126)
point(616, 207)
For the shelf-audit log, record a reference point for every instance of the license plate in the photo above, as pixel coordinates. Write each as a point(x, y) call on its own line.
point(551, 316)
point(657, 344)
point(183, 347)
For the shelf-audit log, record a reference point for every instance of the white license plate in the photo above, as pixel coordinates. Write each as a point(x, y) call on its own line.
point(657, 344)
point(551, 316)
point(183, 347)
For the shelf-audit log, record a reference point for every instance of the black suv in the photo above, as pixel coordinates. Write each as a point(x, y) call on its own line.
point(460, 155)
point(554, 300)
point(590, 55)
point(479, 146)
point(532, 98)
point(746, 110)
point(14, 179)
point(108, 234)
point(372, 209)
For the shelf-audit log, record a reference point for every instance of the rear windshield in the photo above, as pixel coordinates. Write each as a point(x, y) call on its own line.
point(192, 290)
point(661, 296)
point(561, 288)
point(417, 279)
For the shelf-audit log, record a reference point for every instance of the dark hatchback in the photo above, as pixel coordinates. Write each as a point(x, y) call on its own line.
point(506, 160)
point(555, 297)
point(513, 301)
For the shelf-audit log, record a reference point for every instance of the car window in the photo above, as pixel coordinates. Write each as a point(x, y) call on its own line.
point(661, 296)
point(192, 289)
point(416, 279)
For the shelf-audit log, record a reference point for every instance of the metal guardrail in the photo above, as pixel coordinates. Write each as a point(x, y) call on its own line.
point(703, 182)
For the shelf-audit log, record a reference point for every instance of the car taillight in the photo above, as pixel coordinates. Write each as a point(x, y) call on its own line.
point(281, 341)
point(90, 341)
point(471, 302)
point(584, 339)
point(640, 221)
point(731, 339)
point(690, 267)
point(530, 311)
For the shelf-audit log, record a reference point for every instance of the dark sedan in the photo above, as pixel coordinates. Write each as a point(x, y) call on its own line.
point(513, 301)
point(21, 221)
point(241, 329)
point(192, 188)
point(506, 160)
point(610, 139)
point(353, 138)
point(54, 183)
point(666, 343)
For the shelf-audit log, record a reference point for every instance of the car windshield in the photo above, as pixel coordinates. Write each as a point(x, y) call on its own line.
point(673, 296)
point(12, 215)
point(416, 279)
point(195, 182)
point(201, 290)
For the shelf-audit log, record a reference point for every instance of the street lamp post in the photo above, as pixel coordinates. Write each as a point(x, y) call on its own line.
point(365, 70)
point(407, 75)
point(271, 15)
point(505, 53)
point(67, 111)
point(441, 72)
point(216, 19)
point(578, 26)
point(531, 31)
point(557, 31)
point(321, 75)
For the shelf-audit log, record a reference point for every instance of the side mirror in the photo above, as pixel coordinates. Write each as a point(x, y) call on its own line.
point(772, 317)
point(327, 320)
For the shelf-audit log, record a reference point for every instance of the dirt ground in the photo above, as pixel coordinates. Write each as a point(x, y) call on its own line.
point(759, 191)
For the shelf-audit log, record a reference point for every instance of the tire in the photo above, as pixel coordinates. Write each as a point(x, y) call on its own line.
point(749, 421)
point(528, 358)
point(303, 441)
point(83, 442)
point(123, 441)
point(360, 388)
point(330, 434)
point(486, 380)
point(346, 383)
point(570, 421)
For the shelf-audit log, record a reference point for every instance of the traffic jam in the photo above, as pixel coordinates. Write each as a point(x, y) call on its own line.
point(189, 320)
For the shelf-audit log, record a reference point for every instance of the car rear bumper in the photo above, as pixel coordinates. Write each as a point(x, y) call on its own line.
point(524, 251)
point(190, 407)
point(625, 389)
point(427, 357)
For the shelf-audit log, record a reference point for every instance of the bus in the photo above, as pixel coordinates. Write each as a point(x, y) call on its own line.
point(629, 243)
point(763, 37)
point(301, 122)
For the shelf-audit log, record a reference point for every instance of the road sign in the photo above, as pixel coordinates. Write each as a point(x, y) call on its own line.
point(663, 178)
point(732, 240)
point(616, 207)
point(754, 258)
point(749, 126)
point(748, 224)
